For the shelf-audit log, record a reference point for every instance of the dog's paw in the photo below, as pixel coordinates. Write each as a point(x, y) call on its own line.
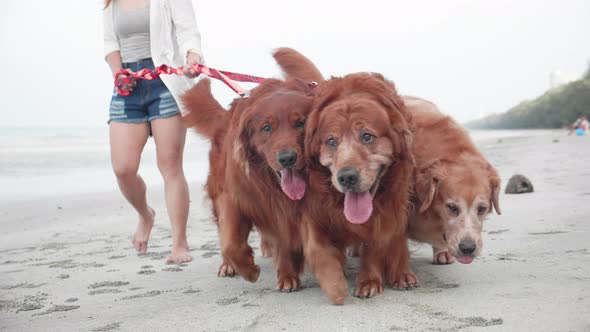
point(368, 288)
point(288, 284)
point(250, 272)
point(442, 258)
point(226, 270)
point(337, 292)
point(404, 280)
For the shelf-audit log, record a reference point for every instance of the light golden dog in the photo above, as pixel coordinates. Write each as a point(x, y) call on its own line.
point(455, 186)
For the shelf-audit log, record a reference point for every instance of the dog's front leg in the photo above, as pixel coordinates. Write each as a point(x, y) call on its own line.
point(234, 230)
point(369, 281)
point(399, 273)
point(325, 260)
point(288, 269)
point(441, 256)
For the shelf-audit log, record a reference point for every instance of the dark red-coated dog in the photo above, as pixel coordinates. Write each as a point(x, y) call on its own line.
point(257, 168)
point(357, 143)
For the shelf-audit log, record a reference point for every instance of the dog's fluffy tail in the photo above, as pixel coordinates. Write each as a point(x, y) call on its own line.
point(205, 114)
point(296, 65)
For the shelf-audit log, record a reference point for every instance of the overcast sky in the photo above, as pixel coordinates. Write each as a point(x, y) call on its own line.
point(470, 57)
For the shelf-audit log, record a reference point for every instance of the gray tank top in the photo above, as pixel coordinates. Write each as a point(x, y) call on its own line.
point(133, 30)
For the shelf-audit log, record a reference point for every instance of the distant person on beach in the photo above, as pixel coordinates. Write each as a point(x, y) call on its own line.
point(584, 125)
point(580, 123)
point(142, 34)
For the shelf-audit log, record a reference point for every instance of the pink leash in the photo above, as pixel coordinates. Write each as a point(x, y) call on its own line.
point(226, 77)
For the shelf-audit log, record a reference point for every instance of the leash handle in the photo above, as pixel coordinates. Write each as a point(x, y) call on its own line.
point(124, 76)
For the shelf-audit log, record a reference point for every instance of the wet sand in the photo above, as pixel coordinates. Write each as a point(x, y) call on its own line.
point(67, 264)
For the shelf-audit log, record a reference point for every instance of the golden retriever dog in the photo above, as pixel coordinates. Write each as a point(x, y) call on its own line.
point(257, 169)
point(455, 186)
point(359, 180)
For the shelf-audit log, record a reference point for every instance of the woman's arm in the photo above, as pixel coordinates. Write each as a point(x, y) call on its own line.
point(114, 61)
point(111, 42)
point(111, 46)
point(188, 36)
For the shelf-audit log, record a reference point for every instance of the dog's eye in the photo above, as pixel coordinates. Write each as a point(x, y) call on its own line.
point(332, 141)
point(367, 138)
point(453, 208)
point(299, 124)
point(482, 209)
point(267, 128)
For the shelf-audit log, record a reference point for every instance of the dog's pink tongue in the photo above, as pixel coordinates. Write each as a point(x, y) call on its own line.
point(292, 183)
point(358, 207)
point(465, 259)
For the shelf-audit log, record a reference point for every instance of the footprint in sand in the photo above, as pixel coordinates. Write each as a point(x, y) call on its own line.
point(500, 231)
point(109, 327)
point(29, 307)
point(106, 287)
point(191, 291)
point(21, 285)
point(108, 284)
point(58, 308)
point(26, 303)
point(209, 254)
point(227, 300)
point(548, 233)
point(172, 269)
point(143, 295)
point(104, 291)
point(146, 269)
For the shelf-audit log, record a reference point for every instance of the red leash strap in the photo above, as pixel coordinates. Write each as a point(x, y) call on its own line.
point(124, 76)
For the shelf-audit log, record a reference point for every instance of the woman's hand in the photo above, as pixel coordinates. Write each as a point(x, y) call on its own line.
point(125, 82)
point(191, 60)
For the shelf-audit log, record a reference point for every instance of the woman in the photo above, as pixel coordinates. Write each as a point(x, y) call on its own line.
point(143, 34)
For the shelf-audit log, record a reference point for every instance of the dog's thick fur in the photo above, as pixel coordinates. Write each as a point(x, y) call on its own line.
point(345, 109)
point(243, 182)
point(455, 186)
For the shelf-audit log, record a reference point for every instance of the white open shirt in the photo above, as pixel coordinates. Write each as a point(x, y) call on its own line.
point(173, 33)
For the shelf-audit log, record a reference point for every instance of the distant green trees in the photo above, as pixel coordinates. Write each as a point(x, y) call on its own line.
point(556, 108)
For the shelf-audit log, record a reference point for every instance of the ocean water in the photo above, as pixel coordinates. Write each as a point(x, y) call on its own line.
point(45, 162)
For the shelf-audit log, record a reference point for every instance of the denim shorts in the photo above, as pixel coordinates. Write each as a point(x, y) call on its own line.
point(149, 100)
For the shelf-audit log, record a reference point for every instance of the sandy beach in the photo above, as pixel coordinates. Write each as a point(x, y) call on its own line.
point(67, 264)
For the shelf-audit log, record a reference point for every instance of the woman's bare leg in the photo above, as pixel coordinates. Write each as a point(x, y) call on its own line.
point(127, 142)
point(169, 134)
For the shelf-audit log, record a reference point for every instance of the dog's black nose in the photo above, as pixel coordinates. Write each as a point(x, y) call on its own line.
point(348, 177)
point(467, 247)
point(287, 158)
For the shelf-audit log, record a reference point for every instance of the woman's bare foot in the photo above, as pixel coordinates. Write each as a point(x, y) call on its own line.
point(180, 254)
point(142, 233)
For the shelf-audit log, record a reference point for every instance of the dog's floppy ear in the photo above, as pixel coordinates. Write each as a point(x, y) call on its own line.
point(427, 181)
point(311, 142)
point(401, 126)
point(241, 152)
point(390, 98)
point(404, 146)
point(323, 98)
point(399, 116)
point(495, 184)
